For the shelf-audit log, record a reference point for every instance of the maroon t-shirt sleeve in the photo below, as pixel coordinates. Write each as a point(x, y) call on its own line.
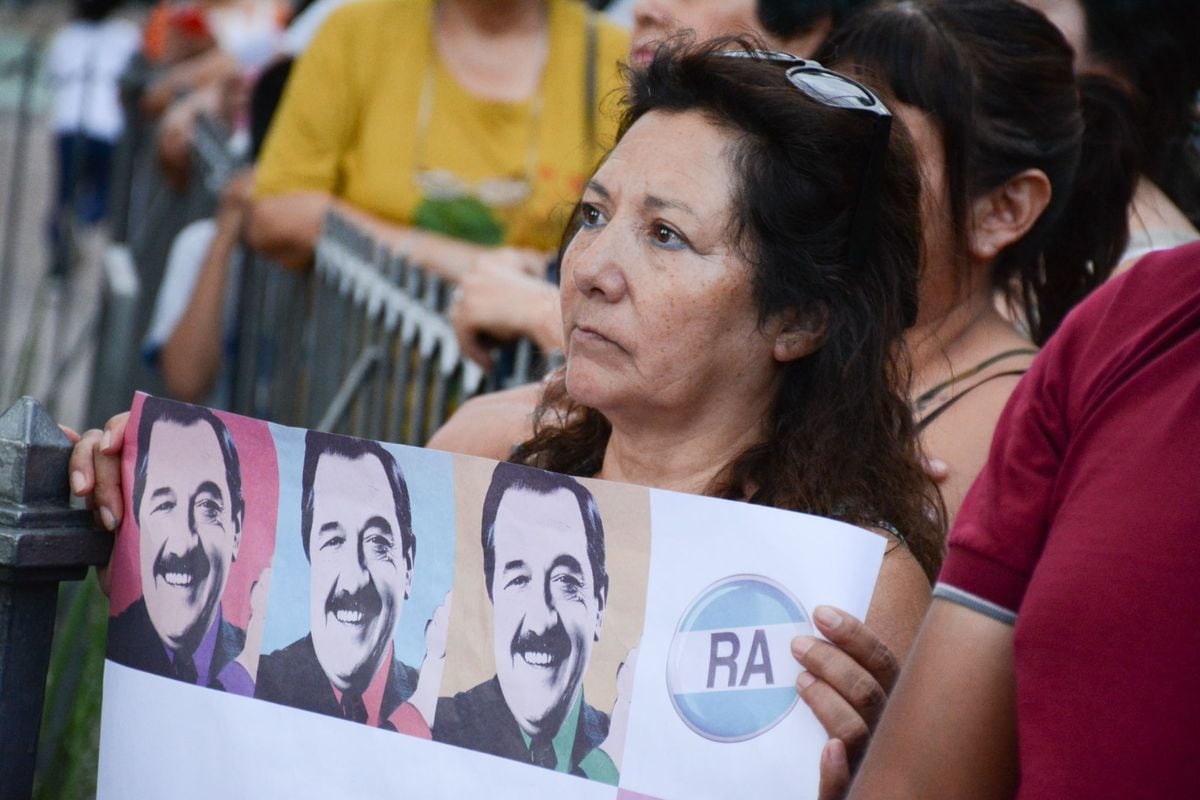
point(1004, 520)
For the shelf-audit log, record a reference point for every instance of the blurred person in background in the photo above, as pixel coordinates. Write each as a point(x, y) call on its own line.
point(246, 36)
point(84, 63)
point(448, 129)
point(1026, 178)
point(192, 336)
point(1148, 47)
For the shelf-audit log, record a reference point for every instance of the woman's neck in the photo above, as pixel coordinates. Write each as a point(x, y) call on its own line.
point(959, 325)
point(492, 17)
point(495, 49)
point(683, 453)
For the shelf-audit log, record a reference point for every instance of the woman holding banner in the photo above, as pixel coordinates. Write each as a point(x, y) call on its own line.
point(737, 278)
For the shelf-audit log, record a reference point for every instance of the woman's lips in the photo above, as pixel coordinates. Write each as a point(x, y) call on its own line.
point(587, 336)
point(642, 55)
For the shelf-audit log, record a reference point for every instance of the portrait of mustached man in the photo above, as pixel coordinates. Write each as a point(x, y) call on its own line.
point(543, 564)
point(357, 533)
point(188, 504)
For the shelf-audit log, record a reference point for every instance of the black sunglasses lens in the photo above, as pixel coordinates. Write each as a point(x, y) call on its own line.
point(834, 90)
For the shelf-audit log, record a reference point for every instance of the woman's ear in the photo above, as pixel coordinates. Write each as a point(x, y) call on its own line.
point(1002, 216)
point(796, 335)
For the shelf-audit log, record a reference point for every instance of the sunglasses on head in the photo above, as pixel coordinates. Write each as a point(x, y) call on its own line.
point(835, 90)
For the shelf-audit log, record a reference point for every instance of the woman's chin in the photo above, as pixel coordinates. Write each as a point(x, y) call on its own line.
point(588, 387)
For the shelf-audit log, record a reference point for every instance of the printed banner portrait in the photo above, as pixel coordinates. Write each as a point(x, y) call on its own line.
point(201, 497)
point(299, 614)
point(364, 559)
point(549, 601)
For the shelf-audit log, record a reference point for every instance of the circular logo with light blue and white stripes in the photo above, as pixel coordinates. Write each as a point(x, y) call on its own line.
point(730, 670)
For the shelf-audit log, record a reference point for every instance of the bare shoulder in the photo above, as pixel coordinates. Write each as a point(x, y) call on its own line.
point(491, 424)
point(902, 596)
point(962, 436)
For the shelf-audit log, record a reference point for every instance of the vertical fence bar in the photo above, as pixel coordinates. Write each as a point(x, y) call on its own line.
point(42, 542)
point(117, 336)
point(13, 200)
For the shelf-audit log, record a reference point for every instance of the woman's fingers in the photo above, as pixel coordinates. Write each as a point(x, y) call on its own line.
point(840, 719)
point(846, 679)
point(860, 643)
point(114, 438)
point(106, 472)
point(862, 693)
point(835, 771)
point(81, 463)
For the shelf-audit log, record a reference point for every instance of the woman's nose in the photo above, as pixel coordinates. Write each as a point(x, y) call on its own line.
point(595, 263)
point(648, 13)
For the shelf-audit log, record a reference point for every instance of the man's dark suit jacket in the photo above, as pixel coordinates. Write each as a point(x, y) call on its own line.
point(293, 677)
point(132, 641)
point(480, 719)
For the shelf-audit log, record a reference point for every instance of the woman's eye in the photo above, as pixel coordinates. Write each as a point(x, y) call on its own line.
point(666, 236)
point(590, 216)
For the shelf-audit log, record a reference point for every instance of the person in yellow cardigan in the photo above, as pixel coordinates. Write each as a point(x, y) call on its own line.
point(448, 128)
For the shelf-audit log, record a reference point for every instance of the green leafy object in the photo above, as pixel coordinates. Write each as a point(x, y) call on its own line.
point(465, 218)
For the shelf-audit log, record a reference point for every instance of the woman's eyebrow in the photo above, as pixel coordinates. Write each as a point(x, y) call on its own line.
point(656, 203)
point(652, 202)
point(597, 187)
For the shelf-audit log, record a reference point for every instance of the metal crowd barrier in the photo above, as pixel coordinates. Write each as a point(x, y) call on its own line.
point(361, 345)
point(43, 542)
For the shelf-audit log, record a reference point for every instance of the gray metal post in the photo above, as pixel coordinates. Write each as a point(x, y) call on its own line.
point(117, 344)
point(42, 542)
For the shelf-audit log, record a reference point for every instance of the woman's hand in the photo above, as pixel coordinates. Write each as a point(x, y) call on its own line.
point(95, 469)
point(499, 300)
point(846, 684)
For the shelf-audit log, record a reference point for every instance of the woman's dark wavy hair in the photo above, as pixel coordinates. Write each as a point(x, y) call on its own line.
point(997, 79)
point(840, 439)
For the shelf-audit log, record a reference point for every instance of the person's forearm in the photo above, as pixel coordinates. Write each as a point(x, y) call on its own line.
point(191, 357)
point(286, 227)
point(949, 729)
point(197, 71)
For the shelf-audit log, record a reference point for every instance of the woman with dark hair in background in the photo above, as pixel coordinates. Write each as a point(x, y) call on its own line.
point(1027, 176)
point(1148, 47)
point(736, 284)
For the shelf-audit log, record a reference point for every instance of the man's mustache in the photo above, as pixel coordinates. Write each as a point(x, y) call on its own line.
point(357, 607)
point(552, 647)
point(188, 569)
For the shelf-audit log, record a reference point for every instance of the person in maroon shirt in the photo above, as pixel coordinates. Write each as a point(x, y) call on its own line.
point(1059, 657)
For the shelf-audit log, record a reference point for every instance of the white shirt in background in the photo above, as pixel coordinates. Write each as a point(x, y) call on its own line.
point(84, 63)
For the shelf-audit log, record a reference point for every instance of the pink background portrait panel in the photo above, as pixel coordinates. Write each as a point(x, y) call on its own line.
point(260, 489)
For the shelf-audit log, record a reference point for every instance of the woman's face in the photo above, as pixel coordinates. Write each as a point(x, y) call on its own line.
point(655, 21)
point(658, 310)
